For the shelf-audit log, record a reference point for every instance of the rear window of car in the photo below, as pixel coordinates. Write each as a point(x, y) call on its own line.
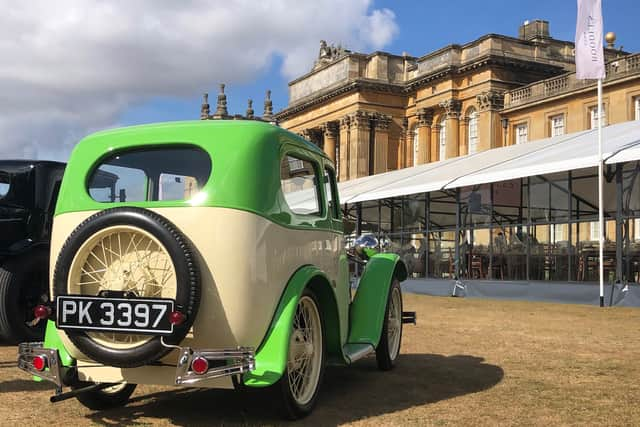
point(153, 174)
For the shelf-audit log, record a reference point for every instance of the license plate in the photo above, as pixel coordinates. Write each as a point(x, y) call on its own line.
point(137, 315)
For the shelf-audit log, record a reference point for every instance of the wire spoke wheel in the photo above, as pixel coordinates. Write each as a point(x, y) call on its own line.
point(126, 259)
point(305, 351)
point(394, 323)
point(388, 348)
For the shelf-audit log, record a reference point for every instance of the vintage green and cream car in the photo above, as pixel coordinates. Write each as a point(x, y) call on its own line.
point(206, 254)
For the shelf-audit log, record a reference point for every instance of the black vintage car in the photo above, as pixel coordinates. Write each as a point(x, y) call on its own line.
point(28, 192)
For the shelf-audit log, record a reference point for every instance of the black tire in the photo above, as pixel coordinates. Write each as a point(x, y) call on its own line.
point(105, 398)
point(386, 356)
point(23, 285)
point(187, 276)
point(290, 408)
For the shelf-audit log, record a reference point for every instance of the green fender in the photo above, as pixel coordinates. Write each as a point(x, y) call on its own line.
point(370, 303)
point(52, 340)
point(271, 357)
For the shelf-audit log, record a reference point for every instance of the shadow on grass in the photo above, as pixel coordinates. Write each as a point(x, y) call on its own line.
point(13, 386)
point(348, 394)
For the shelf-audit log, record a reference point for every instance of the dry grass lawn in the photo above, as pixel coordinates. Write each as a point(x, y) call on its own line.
point(468, 362)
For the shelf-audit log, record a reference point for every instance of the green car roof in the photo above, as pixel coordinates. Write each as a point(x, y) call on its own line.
point(245, 157)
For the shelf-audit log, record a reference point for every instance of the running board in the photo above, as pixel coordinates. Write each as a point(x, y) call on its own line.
point(409, 317)
point(354, 352)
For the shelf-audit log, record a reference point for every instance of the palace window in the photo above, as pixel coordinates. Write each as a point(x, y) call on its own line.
point(557, 125)
point(594, 231)
point(637, 228)
point(473, 132)
point(636, 107)
point(522, 133)
point(593, 113)
point(443, 140)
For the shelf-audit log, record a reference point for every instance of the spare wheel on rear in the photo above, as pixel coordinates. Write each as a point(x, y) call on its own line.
point(137, 251)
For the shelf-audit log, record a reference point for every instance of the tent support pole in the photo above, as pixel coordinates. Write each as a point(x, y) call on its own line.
point(600, 205)
point(456, 263)
point(619, 224)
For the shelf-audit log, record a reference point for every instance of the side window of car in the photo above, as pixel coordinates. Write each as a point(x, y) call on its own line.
point(330, 191)
point(177, 187)
point(299, 181)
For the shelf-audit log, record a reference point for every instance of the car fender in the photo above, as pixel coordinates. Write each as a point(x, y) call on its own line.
point(52, 340)
point(369, 305)
point(271, 356)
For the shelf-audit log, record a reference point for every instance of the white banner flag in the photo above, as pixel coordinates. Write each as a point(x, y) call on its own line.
point(589, 52)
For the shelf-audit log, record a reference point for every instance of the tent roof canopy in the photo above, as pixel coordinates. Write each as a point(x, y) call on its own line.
point(621, 143)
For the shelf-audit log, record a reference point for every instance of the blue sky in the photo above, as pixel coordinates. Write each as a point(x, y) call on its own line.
point(72, 67)
point(423, 27)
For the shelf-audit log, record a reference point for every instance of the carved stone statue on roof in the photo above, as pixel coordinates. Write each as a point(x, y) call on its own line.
point(328, 54)
point(325, 51)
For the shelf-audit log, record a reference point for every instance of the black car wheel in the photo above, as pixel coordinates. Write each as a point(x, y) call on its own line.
point(23, 285)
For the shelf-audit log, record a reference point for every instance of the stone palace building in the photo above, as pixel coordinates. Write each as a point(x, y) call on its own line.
point(378, 112)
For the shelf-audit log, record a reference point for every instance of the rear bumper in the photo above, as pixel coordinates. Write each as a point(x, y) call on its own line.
point(54, 371)
point(222, 363)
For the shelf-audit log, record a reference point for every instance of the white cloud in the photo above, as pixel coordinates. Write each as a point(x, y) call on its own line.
point(70, 67)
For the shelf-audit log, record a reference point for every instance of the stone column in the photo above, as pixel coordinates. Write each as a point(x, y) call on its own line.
point(360, 135)
point(489, 103)
point(464, 136)
point(345, 147)
point(381, 143)
point(402, 155)
point(402, 148)
point(452, 117)
point(435, 139)
point(330, 138)
point(425, 120)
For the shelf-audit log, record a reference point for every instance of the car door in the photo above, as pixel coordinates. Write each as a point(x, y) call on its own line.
point(342, 284)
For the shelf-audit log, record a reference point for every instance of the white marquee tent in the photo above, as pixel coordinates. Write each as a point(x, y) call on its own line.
point(621, 143)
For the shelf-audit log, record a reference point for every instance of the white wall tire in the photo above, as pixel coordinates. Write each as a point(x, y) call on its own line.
point(388, 348)
point(300, 384)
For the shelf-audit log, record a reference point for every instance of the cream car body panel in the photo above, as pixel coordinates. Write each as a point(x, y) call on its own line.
point(157, 375)
point(245, 263)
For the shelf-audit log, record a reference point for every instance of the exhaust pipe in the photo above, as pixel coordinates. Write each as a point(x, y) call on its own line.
point(73, 393)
